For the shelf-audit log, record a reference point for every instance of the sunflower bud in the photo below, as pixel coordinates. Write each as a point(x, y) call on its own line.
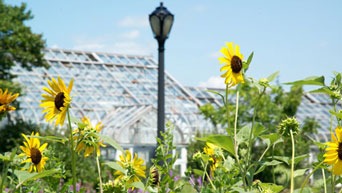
point(154, 176)
point(264, 82)
point(113, 186)
point(197, 156)
point(288, 124)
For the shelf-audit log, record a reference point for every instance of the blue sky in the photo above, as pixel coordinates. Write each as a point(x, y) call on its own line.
point(299, 38)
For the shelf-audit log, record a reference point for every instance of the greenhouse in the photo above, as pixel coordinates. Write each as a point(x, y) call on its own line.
point(121, 92)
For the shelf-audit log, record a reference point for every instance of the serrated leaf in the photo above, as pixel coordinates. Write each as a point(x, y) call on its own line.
point(111, 142)
point(116, 166)
point(223, 141)
point(312, 80)
point(138, 185)
point(271, 77)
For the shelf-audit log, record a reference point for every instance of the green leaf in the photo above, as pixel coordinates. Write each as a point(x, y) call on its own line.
point(282, 158)
point(319, 144)
point(111, 142)
point(267, 187)
point(187, 188)
point(258, 130)
point(49, 138)
point(322, 90)
point(116, 166)
point(249, 60)
point(243, 134)
point(198, 172)
point(6, 158)
point(223, 141)
point(24, 176)
point(299, 172)
point(338, 115)
point(271, 77)
point(265, 164)
point(216, 94)
point(299, 158)
point(274, 138)
point(312, 80)
point(305, 190)
point(138, 185)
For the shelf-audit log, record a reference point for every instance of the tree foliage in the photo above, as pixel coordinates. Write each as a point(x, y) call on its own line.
point(17, 41)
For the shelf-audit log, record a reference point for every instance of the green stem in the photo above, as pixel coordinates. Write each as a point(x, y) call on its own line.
point(235, 144)
point(235, 124)
point(308, 177)
point(99, 171)
point(324, 183)
point(292, 161)
point(210, 180)
point(333, 183)
point(253, 123)
point(227, 109)
point(4, 175)
point(273, 175)
point(72, 155)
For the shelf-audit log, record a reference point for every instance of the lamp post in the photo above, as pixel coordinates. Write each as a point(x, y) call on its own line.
point(161, 21)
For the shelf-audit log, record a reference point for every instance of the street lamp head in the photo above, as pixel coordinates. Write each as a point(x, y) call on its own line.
point(161, 21)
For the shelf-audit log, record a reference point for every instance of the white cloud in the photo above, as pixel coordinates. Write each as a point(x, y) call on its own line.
point(216, 54)
point(131, 34)
point(54, 46)
point(213, 82)
point(134, 21)
point(110, 45)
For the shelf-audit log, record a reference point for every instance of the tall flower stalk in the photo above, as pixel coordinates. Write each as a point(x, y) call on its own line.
point(73, 154)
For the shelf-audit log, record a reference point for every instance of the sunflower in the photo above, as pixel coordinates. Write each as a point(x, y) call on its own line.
point(57, 102)
point(88, 140)
point(133, 167)
point(333, 156)
point(34, 152)
point(212, 151)
point(5, 99)
point(233, 65)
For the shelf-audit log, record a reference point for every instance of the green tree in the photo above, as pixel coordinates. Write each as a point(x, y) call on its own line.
point(17, 42)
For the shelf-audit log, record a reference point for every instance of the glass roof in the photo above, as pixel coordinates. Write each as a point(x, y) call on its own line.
point(118, 90)
point(121, 92)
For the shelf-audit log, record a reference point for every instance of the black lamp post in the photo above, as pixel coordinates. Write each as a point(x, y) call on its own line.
point(161, 22)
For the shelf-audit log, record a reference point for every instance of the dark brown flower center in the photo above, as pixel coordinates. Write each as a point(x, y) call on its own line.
point(236, 64)
point(339, 151)
point(155, 177)
point(36, 156)
point(59, 100)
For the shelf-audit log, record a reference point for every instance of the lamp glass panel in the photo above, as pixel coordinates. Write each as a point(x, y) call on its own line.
point(155, 24)
point(168, 20)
